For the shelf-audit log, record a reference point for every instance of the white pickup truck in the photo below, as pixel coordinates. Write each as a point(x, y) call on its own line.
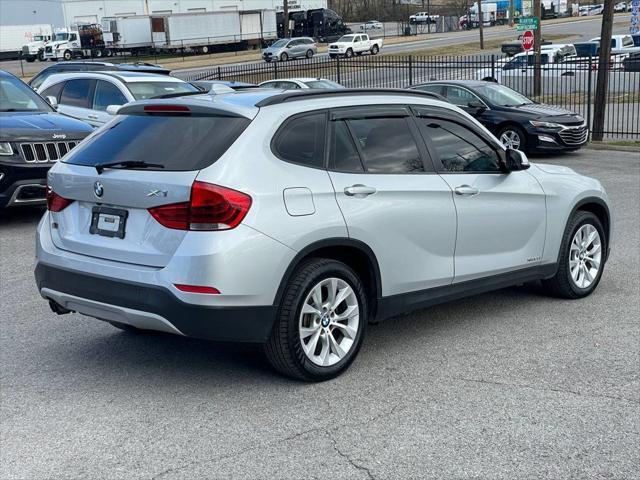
point(620, 44)
point(357, 43)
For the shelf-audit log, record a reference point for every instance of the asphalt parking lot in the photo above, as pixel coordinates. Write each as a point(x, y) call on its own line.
point(504, 385)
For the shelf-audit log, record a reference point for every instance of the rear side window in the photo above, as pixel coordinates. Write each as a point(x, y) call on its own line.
point(301, 140)
point(76, 93)
point(387, 145)
point(343, 155)
point(178, 143)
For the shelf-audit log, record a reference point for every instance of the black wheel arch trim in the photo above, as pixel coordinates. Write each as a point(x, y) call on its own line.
point(333, 243)
point(606, 225)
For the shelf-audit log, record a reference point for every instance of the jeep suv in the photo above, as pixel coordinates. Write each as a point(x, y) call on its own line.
point(295, 219)
point(32, 137)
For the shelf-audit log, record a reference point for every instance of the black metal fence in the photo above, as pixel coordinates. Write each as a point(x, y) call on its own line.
point(568, 85)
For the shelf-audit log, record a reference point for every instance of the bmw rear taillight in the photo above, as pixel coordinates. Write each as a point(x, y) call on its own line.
point(56, 203)
point(211, 208)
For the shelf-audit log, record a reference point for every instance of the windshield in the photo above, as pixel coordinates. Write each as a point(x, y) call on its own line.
point(280, 43)
point(176, 143)
point(38, 38)
point(144, 90)
point(324, 84)
point(61, 37)
point(501, 95)
point(346, 38)
point(15, 96)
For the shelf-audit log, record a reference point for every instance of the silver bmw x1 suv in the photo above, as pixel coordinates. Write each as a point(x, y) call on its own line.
point(295, 219)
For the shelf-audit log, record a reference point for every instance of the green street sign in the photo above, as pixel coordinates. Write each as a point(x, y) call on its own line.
point(528, 23)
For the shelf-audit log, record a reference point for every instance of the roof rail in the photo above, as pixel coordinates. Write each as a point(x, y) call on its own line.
point(292, 96)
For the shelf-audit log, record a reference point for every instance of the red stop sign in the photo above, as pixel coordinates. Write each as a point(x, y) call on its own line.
point(527, 40)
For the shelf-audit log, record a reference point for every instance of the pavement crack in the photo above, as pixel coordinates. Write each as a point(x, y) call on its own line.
point(547, 389)
point(344, 455)
point(327, 432)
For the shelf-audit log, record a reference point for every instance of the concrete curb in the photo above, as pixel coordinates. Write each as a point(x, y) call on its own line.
point(612, 148)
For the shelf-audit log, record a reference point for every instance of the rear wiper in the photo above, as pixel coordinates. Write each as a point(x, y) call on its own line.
point(126, 164)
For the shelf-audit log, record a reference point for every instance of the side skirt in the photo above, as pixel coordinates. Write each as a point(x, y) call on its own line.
point(408, 302)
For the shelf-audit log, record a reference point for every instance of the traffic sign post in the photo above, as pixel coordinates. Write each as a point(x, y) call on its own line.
point(528, 40)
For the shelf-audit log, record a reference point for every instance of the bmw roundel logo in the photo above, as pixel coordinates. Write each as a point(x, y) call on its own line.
point(98, 189)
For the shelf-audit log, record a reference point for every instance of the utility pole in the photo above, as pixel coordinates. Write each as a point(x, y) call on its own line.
point(602, 82)
point(285, 18)
point(480, 24)
point(537, 58)
point(512, 12)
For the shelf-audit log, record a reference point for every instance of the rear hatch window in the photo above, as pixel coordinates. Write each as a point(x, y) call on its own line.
point(172, 143)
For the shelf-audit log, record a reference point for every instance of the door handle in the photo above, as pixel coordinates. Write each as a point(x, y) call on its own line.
point(359, 191)
point(466, 190)
point(93, 117)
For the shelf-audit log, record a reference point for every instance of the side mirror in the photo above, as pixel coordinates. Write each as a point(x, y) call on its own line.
point(516, 160)
point(113, 109)
point(53, 101)
point(477, 105)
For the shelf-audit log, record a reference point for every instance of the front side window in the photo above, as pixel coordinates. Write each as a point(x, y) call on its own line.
point(460, 96)
point(460, 149)
point(53, 91)
point(386, 145)
point(76, 93)
point(301, 140)
point(107, 94)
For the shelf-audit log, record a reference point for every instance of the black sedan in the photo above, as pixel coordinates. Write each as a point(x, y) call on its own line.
point(518, 122)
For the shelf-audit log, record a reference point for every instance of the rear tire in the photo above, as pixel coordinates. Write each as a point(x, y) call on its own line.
point(570, 279)
point(374, 50)
point(320, 343)
point(309, 54)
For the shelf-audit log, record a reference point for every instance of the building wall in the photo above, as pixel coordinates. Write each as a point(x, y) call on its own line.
point(64, 12)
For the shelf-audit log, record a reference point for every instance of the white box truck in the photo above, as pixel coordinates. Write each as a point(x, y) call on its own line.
point(127, 34)
point(14, 37)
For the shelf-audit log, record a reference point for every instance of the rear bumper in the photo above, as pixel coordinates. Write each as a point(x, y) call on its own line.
point(151, 307)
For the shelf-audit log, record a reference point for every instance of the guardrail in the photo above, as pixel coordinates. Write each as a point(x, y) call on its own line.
point(568, 85)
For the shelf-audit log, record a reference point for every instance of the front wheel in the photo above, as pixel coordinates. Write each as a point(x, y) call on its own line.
point(349, 53)
point(581, 259)
point(321, 322)
point(513, 137)
point(67, 55)
point(284, 57)
point(41, 57)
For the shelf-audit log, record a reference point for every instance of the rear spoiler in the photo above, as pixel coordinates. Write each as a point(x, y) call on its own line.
point(202, 108)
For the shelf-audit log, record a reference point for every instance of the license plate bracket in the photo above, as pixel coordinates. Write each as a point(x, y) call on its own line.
point(108, 222)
